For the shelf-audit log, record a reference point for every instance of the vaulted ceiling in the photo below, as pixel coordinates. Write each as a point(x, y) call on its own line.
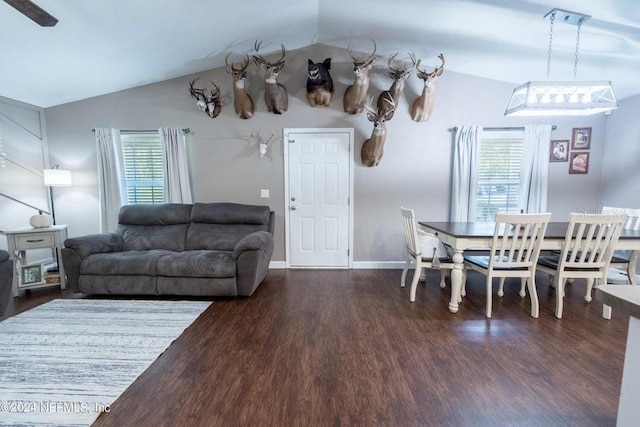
point(100, 47)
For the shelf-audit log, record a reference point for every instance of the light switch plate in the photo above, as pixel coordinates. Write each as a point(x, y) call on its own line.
point(264, 193)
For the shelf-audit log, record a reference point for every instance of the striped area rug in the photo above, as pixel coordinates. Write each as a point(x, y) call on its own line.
point(64, 362)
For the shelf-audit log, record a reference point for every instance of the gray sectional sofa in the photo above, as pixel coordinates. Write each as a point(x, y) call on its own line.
point(204, 249)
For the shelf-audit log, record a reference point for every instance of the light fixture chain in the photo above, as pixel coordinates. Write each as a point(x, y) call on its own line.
point(551, 19)
point(575, 64)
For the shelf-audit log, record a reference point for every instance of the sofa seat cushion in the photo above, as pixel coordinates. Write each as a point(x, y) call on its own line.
point(125, 263)
point(198, 264)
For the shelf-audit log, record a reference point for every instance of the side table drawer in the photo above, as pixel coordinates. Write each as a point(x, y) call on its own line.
point(34, 241)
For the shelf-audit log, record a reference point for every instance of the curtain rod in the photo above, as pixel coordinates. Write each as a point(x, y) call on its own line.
point(455, 128)
point(185, 130)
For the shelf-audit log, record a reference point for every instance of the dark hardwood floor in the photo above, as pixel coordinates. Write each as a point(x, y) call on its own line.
point(342, 348)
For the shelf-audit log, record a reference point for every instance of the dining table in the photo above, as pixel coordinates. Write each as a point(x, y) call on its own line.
point(465, 236)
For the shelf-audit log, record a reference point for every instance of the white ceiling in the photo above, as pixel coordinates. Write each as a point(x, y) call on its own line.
point(100, 47)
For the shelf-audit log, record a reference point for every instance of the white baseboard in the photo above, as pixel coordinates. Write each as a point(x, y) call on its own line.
point(357, 265)
point(378, 265)
point(277, 265)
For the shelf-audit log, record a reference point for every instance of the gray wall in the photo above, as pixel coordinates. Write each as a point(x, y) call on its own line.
point(621, 160)
point(225, 166)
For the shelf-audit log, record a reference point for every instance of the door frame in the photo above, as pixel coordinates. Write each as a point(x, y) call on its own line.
point(285, 141)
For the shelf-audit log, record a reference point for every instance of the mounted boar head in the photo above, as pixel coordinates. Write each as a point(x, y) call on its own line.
point(319, 83)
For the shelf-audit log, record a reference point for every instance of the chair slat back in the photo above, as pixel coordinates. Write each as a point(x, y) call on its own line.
point(590, 240)
point(410, 232)
point(633, 216)
point(516, 239)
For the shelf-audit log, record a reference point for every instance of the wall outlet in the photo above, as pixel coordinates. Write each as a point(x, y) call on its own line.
point(264, 194)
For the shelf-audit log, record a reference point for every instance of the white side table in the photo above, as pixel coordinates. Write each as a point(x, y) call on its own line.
point(23, 239)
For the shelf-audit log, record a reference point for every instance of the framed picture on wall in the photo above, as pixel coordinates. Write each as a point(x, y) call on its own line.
point(581, 139)
point(559, 151)
point(579, 163)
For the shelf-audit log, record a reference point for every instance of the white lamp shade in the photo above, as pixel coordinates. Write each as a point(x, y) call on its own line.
point(57, 177)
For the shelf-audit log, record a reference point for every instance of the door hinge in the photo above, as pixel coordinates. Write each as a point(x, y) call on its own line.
point(348, 252)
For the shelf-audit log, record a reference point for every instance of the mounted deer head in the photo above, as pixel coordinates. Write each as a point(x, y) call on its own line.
point(242, 101)
point(422, 107)
point(210, 103)
point(263, 145)
point(275, 94)
point(356, 95)
point(399, 76)
point(373, 148)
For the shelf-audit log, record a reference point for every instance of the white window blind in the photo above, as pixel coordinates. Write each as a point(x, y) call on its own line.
point(499, 164)
point(143, 167)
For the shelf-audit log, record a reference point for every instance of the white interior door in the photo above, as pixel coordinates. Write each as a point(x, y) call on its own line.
point(318, 197)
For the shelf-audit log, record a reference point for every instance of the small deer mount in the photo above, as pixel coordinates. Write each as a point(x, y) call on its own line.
point(210, 103)
point(263, 145)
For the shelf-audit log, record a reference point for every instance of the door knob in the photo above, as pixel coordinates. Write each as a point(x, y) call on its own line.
point(293, 208)
point(293, 199)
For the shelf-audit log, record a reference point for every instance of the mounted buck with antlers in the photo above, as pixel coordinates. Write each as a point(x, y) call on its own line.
point(275, 94)
point(356, 95)
point(373, 148)
point(242, 101)
point(399, 76)
point(423, 106)
point(210, 104)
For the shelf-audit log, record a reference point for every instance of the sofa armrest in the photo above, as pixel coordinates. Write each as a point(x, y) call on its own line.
point(77, 248)
point(95, 244)
point(253, 255)
point(252, 242)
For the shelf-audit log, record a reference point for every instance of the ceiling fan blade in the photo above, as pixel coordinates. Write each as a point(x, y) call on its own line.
point(33, 12)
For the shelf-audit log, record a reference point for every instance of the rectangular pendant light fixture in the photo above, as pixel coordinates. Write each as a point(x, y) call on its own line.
point(562, 98)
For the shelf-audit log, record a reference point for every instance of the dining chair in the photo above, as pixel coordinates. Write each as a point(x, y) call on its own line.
point(586, 252)
point(626, 260)
point(514, 252)
point(416, 255)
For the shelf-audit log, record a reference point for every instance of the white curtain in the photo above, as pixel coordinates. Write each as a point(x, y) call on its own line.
point(177, 187)
point(534, 174)
point(110, 184)
point(465, 174)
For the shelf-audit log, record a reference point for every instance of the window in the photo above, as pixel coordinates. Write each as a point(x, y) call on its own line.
point(499, 163)
point(143, 167)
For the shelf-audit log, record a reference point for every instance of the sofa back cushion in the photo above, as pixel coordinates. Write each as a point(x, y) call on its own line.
point(145, 227)
point(221, 225)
